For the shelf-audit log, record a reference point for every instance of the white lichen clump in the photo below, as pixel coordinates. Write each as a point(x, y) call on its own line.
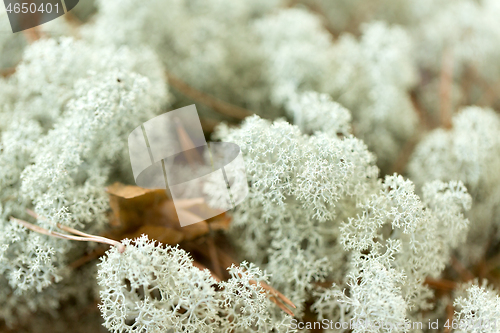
point(478, 310)
point(54, 122)
point(343, 94)
point(300, 187)
point(155, 289)
point(469, 152)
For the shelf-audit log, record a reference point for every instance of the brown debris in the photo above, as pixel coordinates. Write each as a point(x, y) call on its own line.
point(441, 284)
point(220, 106)
point(137, 211)
point(445, 89)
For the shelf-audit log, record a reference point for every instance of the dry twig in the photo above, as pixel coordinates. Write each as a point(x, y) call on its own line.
point(450, 311)
point(441, 284)
point(465, 274)
point(445, 87)
point(222, 107)
point(82, 237)
point(422, 114)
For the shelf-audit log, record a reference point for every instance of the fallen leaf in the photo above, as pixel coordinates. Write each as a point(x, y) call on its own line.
point(136, 210)
point(164, 235)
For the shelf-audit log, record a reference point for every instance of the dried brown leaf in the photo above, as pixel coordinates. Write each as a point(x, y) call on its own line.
point(135, 209)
